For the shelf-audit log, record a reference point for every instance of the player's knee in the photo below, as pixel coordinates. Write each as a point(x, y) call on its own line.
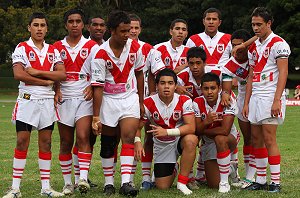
point(22, 144)
point(221, 140)
point(66, 146)
point(190, 142)
point(108, 144)
point(128, 138)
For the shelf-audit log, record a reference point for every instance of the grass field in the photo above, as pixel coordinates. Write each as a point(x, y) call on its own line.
point(288, 140)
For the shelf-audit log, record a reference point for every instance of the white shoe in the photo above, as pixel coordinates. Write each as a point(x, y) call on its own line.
point(246, 183)
point(224, 187)
point(13, 193)
point(183, 188)
point(83, 186)
point(68, 189)
point(51, 193)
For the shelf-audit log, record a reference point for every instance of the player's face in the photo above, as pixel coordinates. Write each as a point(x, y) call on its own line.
point(196, 66)
point(166, 87)
point(211, 23)
point(38, 29)
point(260, 27)
point(74, 25)
point(120, 35)
point(240, 55)
point(135, 30)
point(210, 91)
point(179, 32)
point(97, 28)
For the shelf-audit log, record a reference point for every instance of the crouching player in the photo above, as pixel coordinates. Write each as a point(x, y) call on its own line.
point(173, 128)
point(220, 137)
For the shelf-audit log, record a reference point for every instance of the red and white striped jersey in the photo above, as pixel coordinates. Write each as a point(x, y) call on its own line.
point(77, 63)
point(217, 49)
point(262, 57)
point(45, 59)
point(167, 116)
point(117, 74)
point(171, 57)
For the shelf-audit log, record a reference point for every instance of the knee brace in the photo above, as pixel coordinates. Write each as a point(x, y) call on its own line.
point(108, 144)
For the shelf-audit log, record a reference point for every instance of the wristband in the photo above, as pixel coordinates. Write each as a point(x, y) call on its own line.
point(173, 132)
point(137, 139)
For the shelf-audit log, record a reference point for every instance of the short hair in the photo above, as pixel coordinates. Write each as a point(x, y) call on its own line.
point(173, 23)
point(117, 17)
point(196, 52)
point(241, 34)
point(74, 11)
point(211, 10)
point(263, 13)
point(37, 15)
point(166, 72)
point(93, 17)
point(210, 77)
point(134, 17)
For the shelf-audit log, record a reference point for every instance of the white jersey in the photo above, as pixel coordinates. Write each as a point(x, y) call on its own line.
point(77, 63)
point(237, 70)
point(117, 74)
point(262, 57)
point(167, 116)
point(45, 59)
point(171, 57)
point(217, 49)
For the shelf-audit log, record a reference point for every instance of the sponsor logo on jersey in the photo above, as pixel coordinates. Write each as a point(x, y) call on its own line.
point(63, 54)
point(176, 114)
point(220, 48)
point(109, 65)
point(239, 71)
point(50, 57)
point(155, 115)
point(266, 52)
point(84, 53)
point(167, 61)
point(182, 60)
point(31, 56)
point(132, 58)
point(203, 116)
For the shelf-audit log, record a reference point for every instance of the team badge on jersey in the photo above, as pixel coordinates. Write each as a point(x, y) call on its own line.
point(203, 116)
point(63, 54)
point(31, 56)
point(167, 61)
point(155, 115)
point(132, 57)
point(266, 52)
point(202, 46)
point(84, 53)
point(50, 57)
point(182, 60)
point(220, 48)
point(176, 114)
point(109, 65)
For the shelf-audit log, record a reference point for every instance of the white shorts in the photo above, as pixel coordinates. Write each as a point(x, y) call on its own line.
point(240, 105)
point(165, 152)
point(260, 110)
point(113, 110)
point(40, 113)
point(209, 148)
point(72, 109)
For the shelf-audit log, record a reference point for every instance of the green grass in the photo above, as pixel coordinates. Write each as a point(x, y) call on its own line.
point(288, 138)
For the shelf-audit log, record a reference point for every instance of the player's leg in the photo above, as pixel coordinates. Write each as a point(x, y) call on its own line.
point(212, 173)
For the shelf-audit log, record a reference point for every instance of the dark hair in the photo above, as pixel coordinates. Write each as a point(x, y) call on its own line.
point(74, 11)
point(134, 17)
point(173, 23)
point(166, 72)
point(241, 34)
point(211, 10)
point(210, 77)
point(93, 17)
point(117, 17)
point(263, 13)
point(196, 52)
point(37, 15)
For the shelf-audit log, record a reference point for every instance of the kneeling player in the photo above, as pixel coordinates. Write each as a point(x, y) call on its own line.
point(220, 137)
point(173, 127)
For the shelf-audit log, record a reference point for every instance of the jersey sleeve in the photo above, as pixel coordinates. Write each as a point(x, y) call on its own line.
point(154, 61)
point(196, 109)
point(232, 109)
point(190, 43)
point(98, 71)
point(139, 62)
point(19, 56)
point(57, 58)
point(282, 50)
point(226, 54)
point(188, 107)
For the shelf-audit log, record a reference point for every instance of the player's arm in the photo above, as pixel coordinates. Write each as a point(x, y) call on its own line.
point(140, 87)
point(151, 83)
point(97, 101)
point(248, 94)
point(224, 129)
point(180, 68)
point(21, 75)
point(243, 45)
point(226, 89)
point(138, 146)
point(59, 73)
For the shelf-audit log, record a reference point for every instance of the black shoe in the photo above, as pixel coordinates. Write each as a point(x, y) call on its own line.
point(109, 190)
point(92, 185)
point(257, 186)
point(274, 188)
point(128, 190)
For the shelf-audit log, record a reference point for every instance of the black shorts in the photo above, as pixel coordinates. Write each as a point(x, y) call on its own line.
point(22, 126)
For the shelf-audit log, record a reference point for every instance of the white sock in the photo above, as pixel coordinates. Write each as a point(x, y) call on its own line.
point(183, 188)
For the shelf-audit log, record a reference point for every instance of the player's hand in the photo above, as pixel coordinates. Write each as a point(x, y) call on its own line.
point(32, 71)
point(49, 82)
point(245, 111)
point(225, 99)
point(237, 48)
point(138, 151)
point(88, 93)
point(212, 117)
point(183, 90)
point(142, 110)
point(276, 108)
point(96, 125)
point(58, 98)
point(157, 131)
